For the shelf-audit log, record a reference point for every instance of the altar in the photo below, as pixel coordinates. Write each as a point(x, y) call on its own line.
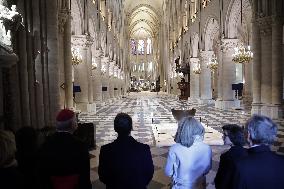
point(164, 134)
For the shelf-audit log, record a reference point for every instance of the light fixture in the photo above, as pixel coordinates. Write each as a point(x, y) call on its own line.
point(212, 63)
point(103, 69)
point(76, 56)
point(242, 54)
point(94, 64)
point(197, 69)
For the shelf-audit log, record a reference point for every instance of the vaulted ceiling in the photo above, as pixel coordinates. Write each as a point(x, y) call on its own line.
point(143, 17)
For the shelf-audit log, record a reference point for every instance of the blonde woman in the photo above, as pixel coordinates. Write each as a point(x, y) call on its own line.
point(189, 160)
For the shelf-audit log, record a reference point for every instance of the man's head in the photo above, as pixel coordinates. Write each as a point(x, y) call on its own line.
point(66, 120)
point(123, 124)
point(233, 134)
point(261, 130)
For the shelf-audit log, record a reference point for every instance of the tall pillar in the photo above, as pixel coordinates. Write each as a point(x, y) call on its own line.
point(266, 71)
point(53, 64)
point(26, 120)
point(116, 80)
point(1, 100)
point(227, 99)
point(256, 61)
point(277, 68)
point(194, 80)
point(105, 78)
point(68, 87)
point(111, 79)
point(205, 78)
point(82, 72)
point(97, 80)
point(89, 65)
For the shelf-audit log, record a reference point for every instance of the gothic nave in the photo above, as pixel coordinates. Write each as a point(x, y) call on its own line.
point(101, 57)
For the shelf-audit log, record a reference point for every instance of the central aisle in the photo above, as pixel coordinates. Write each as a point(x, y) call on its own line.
point(143, 107)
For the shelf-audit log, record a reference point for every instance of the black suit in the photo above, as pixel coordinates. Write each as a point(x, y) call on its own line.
point(63, 155)
point(261, 169)
point(125, 164)
point(224, 176)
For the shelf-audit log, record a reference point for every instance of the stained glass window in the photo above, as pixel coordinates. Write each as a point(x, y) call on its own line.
point(133, 46)
point(149, 46)
point(141, 47)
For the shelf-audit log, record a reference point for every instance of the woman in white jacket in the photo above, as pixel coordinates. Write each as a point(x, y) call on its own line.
point(189, 160)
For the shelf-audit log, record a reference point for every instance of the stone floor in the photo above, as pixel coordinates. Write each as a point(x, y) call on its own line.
point(149, 109)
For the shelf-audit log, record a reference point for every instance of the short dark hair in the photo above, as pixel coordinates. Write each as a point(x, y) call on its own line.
point(123, 124)
point(235, 134)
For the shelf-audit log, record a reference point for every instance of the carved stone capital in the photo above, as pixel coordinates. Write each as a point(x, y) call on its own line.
point(105, 59)
point(63, 16)
point(82, 41)
point(111, 64)
point(98, 53)
point(229, 44)
point(265, 25)
point(205, 55)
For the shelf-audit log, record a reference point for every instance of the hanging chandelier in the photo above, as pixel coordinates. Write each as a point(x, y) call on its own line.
point(242, 54)
point(76, 56)
point(197, 69)
point(94, 64)
point(212, 63)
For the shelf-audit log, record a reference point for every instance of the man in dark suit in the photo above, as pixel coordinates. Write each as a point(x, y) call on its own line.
point(64, 160)
point(125, 163)
point(262, 168)
point(233, 135)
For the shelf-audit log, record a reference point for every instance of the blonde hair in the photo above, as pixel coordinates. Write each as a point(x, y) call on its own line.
point(188, 130)
point(7, 148)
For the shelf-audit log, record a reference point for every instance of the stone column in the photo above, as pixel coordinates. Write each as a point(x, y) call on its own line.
point(227, 100)
point(89, 65)
point(277, 68)
point(97, 82)
point(266, 71)
point(116, 80)
point(62, 18)
point(23, 74)
point(68, 63)
point(248, 75)
point(205, 78)
point(256, 61)
point(194, 80)
point(1, 99)
point(111, 79)
point(53, 64)
point(82, 72)
point(105, 78)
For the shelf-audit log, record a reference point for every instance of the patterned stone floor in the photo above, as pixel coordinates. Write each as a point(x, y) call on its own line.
point(145, 106)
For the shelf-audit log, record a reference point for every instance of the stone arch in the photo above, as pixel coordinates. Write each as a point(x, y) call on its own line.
point(194, 44)
point(211, 33)
point(147, 6)
point(234, 27)
point(76, 13)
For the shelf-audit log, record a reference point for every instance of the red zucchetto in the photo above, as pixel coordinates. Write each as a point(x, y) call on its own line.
point(65, 115)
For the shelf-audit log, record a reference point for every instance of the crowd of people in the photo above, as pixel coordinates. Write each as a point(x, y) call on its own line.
point(56, 159)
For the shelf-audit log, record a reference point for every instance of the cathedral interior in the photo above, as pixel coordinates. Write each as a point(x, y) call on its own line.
point(224, 58)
